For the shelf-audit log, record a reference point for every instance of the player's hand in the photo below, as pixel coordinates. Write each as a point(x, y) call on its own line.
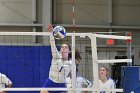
point(50, 28)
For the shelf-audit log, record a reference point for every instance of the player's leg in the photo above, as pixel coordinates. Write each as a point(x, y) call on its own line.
point(44, 91)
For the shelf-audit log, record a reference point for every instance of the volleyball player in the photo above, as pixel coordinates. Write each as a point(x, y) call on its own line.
point(60, 67)
point(5, 82)
point(105, 82)
point(81, 82)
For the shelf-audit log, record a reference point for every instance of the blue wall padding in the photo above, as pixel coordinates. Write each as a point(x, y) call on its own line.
point(26, 66)
point(130, 79)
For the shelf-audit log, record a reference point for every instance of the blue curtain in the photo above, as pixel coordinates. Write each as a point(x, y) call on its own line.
point(25, 66)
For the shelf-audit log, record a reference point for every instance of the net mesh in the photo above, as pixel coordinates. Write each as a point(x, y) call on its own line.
point(25, 58)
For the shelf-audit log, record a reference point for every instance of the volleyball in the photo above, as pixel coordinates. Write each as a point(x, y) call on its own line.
point(59, 32)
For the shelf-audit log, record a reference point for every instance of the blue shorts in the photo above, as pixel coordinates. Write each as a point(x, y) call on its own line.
point(50, 84)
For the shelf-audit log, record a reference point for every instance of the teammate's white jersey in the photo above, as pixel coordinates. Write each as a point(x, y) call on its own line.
point(59, 69)
point(4, 81)
point(81, 82)
point(109, 84)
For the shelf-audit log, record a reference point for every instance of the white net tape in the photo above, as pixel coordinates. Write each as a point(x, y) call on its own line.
point(60, 89)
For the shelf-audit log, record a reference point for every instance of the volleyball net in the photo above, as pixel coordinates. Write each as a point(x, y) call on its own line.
point(25, 58)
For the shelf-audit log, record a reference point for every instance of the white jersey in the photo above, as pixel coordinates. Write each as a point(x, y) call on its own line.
point(4, 81)
point(81, 82)
point(59, 69)
point(109, 84)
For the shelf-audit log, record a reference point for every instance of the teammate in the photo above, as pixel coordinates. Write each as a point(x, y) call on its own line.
point(105, 82)
point(5, 82)
point(81, 82)
point(60, 67)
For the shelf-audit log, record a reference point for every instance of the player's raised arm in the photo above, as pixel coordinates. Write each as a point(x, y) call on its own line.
point(52, 42)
